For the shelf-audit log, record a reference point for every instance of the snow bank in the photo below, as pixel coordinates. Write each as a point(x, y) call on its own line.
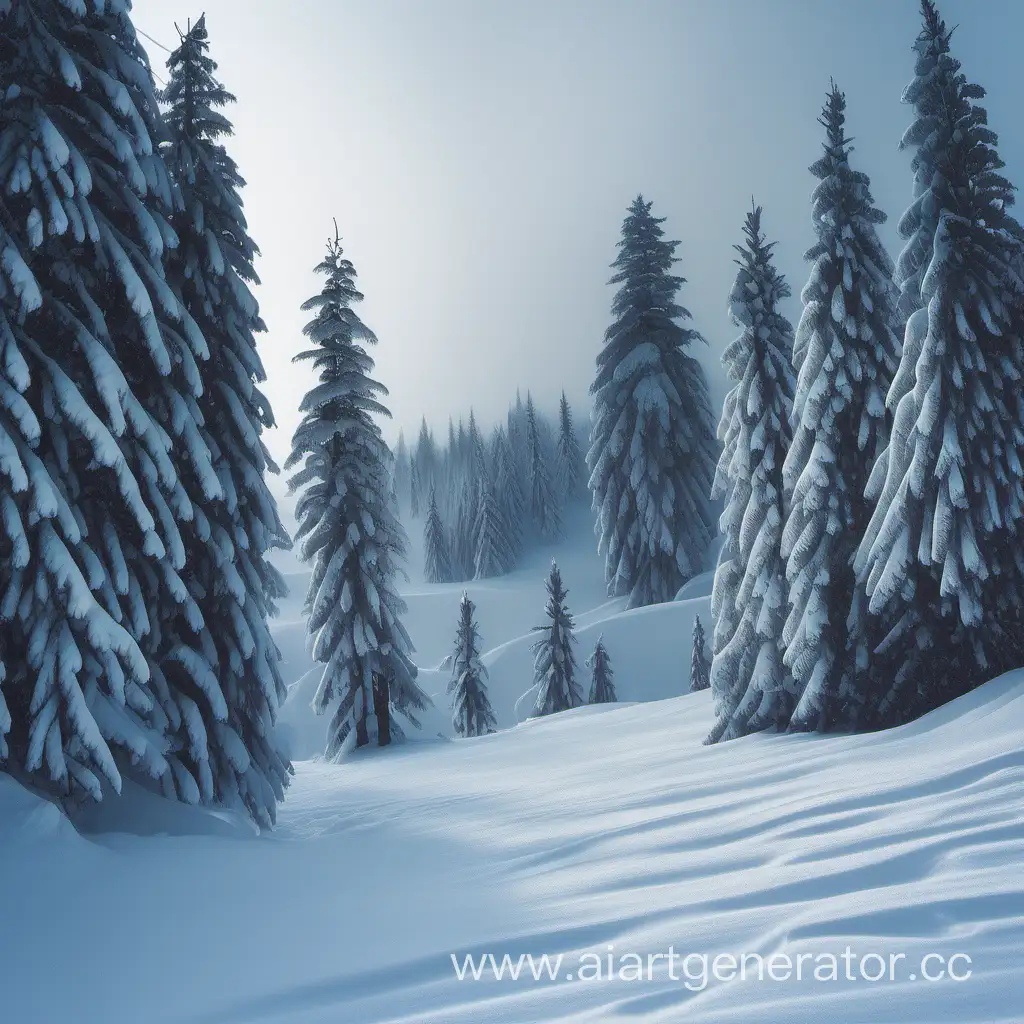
point(602, 826)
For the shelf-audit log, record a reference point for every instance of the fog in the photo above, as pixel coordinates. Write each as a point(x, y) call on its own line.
point(479, 158)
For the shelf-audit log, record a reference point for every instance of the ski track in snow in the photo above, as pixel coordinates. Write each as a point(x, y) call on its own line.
point(600, 826)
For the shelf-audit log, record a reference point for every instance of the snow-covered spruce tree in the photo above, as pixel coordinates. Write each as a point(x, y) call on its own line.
point(437, 566)
point(602, 679)
point(847, 351)
point(554, 663)
point(700, 670)
point(347, 528)
point(511, 503)
point(652, 446)
point(426, 458)
point(227, 542)
point(98, 414)
point(544, 509)
point(472, 714)
point(414, 490)
point(462, 542)
point(493, 555)
point(569, 458)
point(752, 688)
point(941, 557)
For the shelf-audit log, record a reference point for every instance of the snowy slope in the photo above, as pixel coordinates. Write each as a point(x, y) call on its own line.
point(600, 826)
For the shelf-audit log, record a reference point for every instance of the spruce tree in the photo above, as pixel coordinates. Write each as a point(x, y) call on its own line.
point(543, 502)
point(652, 450)
point(569, 458)
point(602, 679)
point(437, 566)
point(700, 671)
point(99, 422)
point(493, 555)
point(472, 714)
point(347, 528)
point(752, 688)
point(414, 490)
point(462, 543)
point(230, 578)
point(511, 503)
point(847, 351)
point(554, 662)
point(941, 558)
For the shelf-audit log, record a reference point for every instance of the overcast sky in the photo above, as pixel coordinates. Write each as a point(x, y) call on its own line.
point(479, 157)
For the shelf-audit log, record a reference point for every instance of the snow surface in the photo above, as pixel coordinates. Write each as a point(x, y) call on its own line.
point(600, 826)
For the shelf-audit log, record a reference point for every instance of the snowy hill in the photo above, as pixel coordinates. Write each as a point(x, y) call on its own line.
point(602, 826)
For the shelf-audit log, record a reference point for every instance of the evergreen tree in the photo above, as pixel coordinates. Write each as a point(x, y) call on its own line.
point(554, 663)
point(941, 557)
point(99, 425)
point(569, 458)
point(472, 714)
point(602, 685)
point(543, 503)
point(229, 578)
point(700, 671)
point(462, 546)
point(652, 452)
point(847, 351)
point(512, 504)
point(437, 566)
point(414, 490)
point(751, 687)
point(426, 459)
point(493, 555)
point(346, 527)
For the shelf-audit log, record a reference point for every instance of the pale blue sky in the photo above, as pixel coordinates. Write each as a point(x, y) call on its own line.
point(480, 156)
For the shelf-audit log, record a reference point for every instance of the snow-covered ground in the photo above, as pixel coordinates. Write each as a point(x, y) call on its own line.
point(599, 827)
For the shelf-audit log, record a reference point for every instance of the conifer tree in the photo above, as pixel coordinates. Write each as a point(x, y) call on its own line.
point(414, 490)
point(652, 450)
point(347, 528)
point(941, 557)
point(437, 566)
point(472, 714)
point(602, 684)
point(751, 686)
point(554, 662)
point(543, 503)
point(700, 670)
point(847, 351)
point(569, 460)
point(462, 544)
point(492, 556)
point(99, 422)
point(227, 540)
point(511, 503)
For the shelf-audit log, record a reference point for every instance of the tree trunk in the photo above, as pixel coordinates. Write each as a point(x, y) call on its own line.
point(382, 708)
point(362, 735)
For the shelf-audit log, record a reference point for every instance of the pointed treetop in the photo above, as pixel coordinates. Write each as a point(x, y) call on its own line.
point(833, 119)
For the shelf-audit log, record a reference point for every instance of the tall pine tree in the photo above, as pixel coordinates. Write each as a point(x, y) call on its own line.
point(652, 450)
point(472, 714)
point(554, 662)
point(602, 679)
point(347, 527)
point(543, 502)
point(230, 578)
point(700, 670)
point(751, 686)
point(941, 559)
point(99, 423)
point(568, 457)
point(437, 567)
point(847, 352)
